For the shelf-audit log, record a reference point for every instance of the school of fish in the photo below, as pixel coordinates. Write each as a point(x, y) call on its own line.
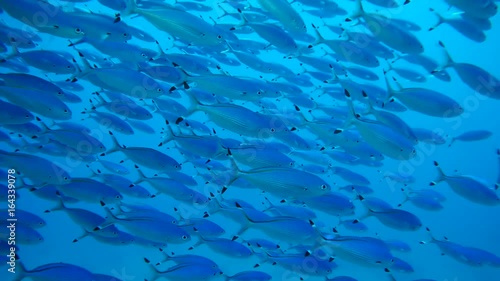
point(243, 140)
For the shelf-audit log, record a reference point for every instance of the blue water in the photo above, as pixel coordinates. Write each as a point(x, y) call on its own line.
point(461, 221)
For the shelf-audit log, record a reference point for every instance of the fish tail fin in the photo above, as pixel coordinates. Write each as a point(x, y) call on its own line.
point(160, 50)
point(352, 113)
point(86, 234)
point(80, 41)
point(82, 71)
point(243, 20)
point(156, 271)
point(440, 20)
point(131, 7)
point(358, 11)
point(449, 60)
point(396, 57)
point(224, 11)
point(319, 40)
point(441, 175)
point(116, 146)
point(407, 197)
point(389, 67)
point(110, 219)
point(390, 89)
point(142, 176)
point(194, 103)
point(167, 137)
point(100, 100)
point(271, 205)
point(15, 52)
point(430, 235)
point(369, 102)
point(60, 204)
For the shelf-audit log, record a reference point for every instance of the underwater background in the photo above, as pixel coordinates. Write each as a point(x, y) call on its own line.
point(462, 221)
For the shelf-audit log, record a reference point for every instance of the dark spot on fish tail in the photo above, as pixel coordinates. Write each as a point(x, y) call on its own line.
point(75, 240)
point(335, 230)
point(307, 253)
point(337, 131)
point(234, 238)
point(224, 190)
point(46, 211)
point(256, 265)
point(146, 260)
point(190, 248)
point(346, 93)
point(179, 120)
point(186, 86)
point(173, 88)
point(386, 270)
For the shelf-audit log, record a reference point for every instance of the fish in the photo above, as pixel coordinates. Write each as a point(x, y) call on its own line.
point(482, 10)
point(13, 114)
point(363, 250)
point(286, 14)
point(149, 228)
point(469, 187)
point(37, 102)
point(473, 135)
point(385, 139)
point(464, 254)
point(54, 271)
point(38, 170)
point(348, 51)
point(228, 247)
point(388, 32)
point(461, 25)
point(146, 156)
point(473, 76)
point(187, 271)
point(426, 101)
point(181, 24)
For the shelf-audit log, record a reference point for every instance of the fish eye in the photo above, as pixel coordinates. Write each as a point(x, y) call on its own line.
point(118, 196)
point(184, 237)
point(174, 222)
point(219, 37)
point(78, 30)
point(159, 90)
point(125, 34)
point(323, 186)
point(68, 66)
point(273, 130)
point(65, 111)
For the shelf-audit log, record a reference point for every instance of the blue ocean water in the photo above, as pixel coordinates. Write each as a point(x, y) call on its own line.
point(460, 220)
